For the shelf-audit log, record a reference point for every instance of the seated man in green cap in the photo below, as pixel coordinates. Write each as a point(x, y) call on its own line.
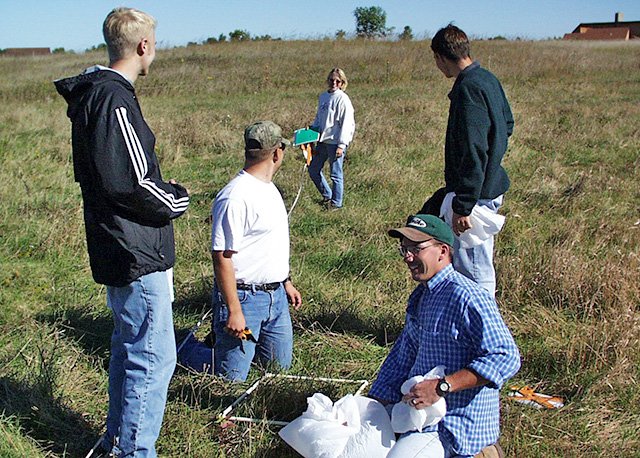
point(250, 251)
point(451, 322)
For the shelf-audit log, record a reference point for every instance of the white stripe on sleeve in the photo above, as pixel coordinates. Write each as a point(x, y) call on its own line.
point(139, 161)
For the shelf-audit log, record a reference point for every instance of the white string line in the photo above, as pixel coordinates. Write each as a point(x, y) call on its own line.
point(252, 388)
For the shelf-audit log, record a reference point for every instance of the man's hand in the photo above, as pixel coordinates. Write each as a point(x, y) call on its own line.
point(226, 280)
point(339, 152)
point(172, 181)
point(460, 223)
point(293, 295)
point(423, 394)
point(235, 325)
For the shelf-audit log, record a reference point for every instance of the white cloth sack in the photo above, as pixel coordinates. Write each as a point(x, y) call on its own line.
point(405, 417)
point(353, 427)
point(484, 223)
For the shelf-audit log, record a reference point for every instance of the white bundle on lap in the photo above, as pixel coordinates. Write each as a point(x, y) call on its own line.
point(353, 427)
point(405, 417)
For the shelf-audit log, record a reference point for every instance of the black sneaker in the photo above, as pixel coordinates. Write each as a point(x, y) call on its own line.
point(101, 454)
point(324, 202)
point(330, 206)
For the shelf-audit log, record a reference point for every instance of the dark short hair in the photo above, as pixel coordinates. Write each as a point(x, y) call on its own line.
point(452, 43)
point(254, 153)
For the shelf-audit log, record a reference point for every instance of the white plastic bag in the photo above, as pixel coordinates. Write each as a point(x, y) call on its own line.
point(405, 417)
point(353, 427)
point(376, 437)
point(484, 223)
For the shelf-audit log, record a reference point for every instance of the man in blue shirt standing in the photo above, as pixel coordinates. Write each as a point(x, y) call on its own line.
point(453, 322)
point(479, 125)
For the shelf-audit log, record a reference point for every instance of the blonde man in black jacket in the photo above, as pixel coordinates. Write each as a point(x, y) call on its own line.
point(128, 209)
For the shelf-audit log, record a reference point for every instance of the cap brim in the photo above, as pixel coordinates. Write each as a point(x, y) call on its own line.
point(286, 141)
point(412, 234)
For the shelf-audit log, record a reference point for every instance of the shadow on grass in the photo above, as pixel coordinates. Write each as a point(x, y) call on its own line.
point(92, 332)
point(384, 329)
point(279, 448)
point(44, 418)
point(201, 391)
point(89, 331)
point(190, 306)
point(195, 301)
point(275, 399)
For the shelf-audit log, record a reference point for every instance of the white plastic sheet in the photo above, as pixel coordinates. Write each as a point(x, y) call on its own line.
point(484, 223)
point(405, 418)
point(353, 427)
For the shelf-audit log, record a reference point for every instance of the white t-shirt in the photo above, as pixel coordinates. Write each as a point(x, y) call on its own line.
point(249, 218)
point(335, 118)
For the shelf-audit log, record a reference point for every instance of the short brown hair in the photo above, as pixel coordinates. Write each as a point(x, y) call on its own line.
point(123, 29)
point(452, 43)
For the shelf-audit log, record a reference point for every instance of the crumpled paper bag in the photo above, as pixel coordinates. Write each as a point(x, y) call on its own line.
point(405, 417)
point(352, 427)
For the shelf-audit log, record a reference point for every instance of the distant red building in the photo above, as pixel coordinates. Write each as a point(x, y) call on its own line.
point(617, 30)
point(19, 52)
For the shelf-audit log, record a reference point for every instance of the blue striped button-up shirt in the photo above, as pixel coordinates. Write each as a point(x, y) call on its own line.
point(451, 321)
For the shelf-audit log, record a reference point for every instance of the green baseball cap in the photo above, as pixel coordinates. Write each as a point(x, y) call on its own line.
point(263, 135)
point(420, 228)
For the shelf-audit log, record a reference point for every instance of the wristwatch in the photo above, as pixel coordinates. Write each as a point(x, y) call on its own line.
point(443, 387)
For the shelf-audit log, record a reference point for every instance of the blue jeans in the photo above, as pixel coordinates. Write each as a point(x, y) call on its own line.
point(143, 358)
point(196, 355)
point(267, 315)
point(324, 152)
point(476, 262)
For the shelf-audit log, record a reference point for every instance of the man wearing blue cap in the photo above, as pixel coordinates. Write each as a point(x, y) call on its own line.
point(451, 322)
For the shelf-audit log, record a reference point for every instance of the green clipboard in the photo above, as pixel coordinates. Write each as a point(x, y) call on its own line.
point(304, 136)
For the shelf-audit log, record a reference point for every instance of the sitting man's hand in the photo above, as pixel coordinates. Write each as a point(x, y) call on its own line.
point(423, 394)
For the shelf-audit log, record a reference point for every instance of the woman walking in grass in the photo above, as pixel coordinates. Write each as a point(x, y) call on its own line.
point(336, 124)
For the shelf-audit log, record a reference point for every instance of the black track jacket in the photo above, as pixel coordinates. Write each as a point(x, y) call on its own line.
point(128, 208)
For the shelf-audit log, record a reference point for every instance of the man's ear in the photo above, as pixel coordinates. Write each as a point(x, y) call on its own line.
point(141, 49)
point(445, 250)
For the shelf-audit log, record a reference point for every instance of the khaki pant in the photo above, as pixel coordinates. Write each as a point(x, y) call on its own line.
point(492, 451)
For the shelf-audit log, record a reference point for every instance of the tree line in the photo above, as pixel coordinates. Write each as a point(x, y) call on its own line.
point(371, 23)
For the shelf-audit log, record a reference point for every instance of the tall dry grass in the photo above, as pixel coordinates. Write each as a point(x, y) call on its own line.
point(567, 259)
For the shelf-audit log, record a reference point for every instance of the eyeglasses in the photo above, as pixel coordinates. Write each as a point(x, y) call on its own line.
point(334, 80)
point(413, 249)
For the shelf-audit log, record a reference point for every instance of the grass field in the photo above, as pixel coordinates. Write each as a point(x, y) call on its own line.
point(567, 261)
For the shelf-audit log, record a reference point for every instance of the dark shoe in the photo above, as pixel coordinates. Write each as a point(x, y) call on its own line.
point(101, 454)
point(330, 206)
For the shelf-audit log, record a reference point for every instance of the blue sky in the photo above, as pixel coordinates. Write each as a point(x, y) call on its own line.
point(76, 24)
